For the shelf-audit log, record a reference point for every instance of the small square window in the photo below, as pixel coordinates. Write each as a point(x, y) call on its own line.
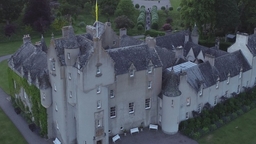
point(69, 76)
point(131, 107)
point(70, 94)
point(98, 71)
point(215, 100)
point(56, 107)
point(147, 103)
point(172, 102)
point(112, 112)
point(57, 125)
point(98, 104)
point(68, 55)
point(160, 119)
point(99, 123)
point(149, 84)
point(238, 89)
point(187, 115)
point(111, 93)
point(188, 101)
point(199, 108)
point(160, 104)
point(98, 90)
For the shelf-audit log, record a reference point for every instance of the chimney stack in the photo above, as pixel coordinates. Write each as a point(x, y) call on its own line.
point(217, 43)
point(151, 42)
point(26, 38)
point(122, 31)
point(179, 52)
point(210, 59)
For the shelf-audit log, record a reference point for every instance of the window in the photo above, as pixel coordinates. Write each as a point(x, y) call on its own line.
point(55, 88)
point(241, 71)
point(201, 91)
point(53, 65)
point(217, 84)
point(187, 115)
point(56, 108)
point(70, 94)
point(69, 76)
point(215, 100)
point(78, 69)
point(199, 108)
point(68, 55)
point(238, 89)
point(98, 104)
point(172, 103)
point(111, 93)
point(132, 73)
point(150, 69)
point(188, 101)
point(226, 93)
point(99, 123)
point(112, 112)
point(14, 84)
point(149, 84)
point(147, 103)
point(98, 90)
point(160, 119)
point(131, 107)
point(228, 78)
point(57, 125)
point(98, 71)
point(44, 96)
point(160, 104)
point(114, 42)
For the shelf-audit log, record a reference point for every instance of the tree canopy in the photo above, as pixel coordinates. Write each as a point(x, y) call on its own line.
point(10, 9)
point(125, 7)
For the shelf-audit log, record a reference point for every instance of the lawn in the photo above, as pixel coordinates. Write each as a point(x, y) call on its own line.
point(4, 79)
point(240, 131)
point(9, 134)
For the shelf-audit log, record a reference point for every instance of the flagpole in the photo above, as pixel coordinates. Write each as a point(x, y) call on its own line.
point(97, 24)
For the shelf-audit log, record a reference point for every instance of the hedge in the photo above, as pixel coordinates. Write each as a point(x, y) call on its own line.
point(141, 18)
point(223, 45)
point(154, 18)
point(154, 33)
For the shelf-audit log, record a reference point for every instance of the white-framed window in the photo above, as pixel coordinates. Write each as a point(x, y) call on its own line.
point(56, 107)
point(99, 123)
point(69, 76)
point(14, 84)
point(43, 96)
point(70, 94)
point(112, 112)
point(172, 103)
point(147, 103)
point(98, 104)
point(68, 55)
point(240, 74)
point(132, 72)
point(98, 90)
point(228, 80)
point(57, 125)
point(55, 87)
point(131, 107)
point(149, 84)
point(199, 108)
point(215, 100)
point(98, 71)
point(150, 69)
point(78, 69)
point(160, 104)
point(217, 83)
point(111, 93)
point(201, 91)
point(188, 101)
point(52, 64)
point(238, 89)
point(187, 115)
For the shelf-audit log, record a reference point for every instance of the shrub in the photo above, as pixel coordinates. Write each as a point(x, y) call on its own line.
point(141, 19)
point(154, 33)
point(81, 24)
point(166, 27)
point(138, 6)
point(163, 8)
point(154, 18)
point(9, 30)
point(88, 7)
point(178, 8)
point(168, 20)
point(233, 115)
point(226, 119)
point(170, 8)
point(140, 27)
point(246, 108)
point(205, 130)
point(240, 112)
point(196, 135)
point(219, 123)
point(213, 127)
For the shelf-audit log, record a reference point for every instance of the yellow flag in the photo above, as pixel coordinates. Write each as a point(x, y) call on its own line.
point(96, 10)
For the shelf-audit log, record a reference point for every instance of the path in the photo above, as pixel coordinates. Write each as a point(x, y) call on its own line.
point(17, 120)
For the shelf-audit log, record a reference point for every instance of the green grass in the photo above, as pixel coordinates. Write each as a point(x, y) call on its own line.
point(9, 134)
point(240, 131)
point(4, 77)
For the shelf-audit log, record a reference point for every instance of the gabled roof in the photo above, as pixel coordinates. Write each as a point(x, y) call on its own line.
point(167, 56)
point(138, 55)
point(129, 41)
point(171, 41)
point(31, 59)
point(231, 63)
point(83, 42)
point(252, 44)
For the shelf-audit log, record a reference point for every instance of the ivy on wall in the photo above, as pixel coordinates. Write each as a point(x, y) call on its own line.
point(38, 111)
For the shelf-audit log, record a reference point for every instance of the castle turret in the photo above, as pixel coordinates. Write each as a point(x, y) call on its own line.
point(195, 35)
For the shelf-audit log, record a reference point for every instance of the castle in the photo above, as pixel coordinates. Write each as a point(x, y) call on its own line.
point(98, 84)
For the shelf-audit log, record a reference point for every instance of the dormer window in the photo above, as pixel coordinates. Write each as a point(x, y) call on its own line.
point(201, 91)
point(98, 71)
point(150, 69)
point(132, 72)
point(69, 76)
point(98, 104)
point(240, 74)
point(218, 81)
point(78, 68)
point(98, 90)
point(69, 56)
point(228, 80)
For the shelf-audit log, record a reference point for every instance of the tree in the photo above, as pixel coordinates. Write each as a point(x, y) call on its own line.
point(125, 7)
point(108, 7)
point(10, 9)
point(38, 15)
point(227, 15)
point(123, 22)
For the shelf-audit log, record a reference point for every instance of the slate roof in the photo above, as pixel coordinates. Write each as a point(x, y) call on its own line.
point(128, 41)
point(138, 55)
point(252, 44)
point(32, 60)
point(171, 41)
point(197, 48)
point(167, 57)
point(82, 41)
point(170, 86)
